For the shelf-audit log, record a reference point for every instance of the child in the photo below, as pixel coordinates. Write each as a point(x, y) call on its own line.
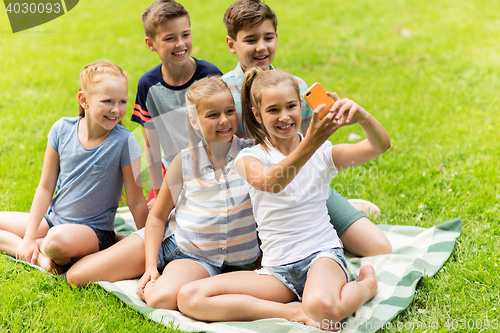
point(212, 222)
point(160, 105)
point(302, 255)
point(252, 35)
point(87, 161)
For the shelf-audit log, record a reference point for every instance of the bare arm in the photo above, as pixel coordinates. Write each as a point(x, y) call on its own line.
point(377, 139)
point(275, 179)
point(28, 249)
point(156, 222)
point(133, 191)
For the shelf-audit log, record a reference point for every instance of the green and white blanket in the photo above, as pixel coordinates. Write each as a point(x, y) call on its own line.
point(417, 252)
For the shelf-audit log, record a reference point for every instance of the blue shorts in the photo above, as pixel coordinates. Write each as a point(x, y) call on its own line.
point(106, 238)
point(170, 251)
point(294, 275)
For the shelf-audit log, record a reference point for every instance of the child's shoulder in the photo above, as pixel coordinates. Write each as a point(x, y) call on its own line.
point(253, 150)
point(299, 80)
point(65, 122)
point(62, 130)
point(122, 132)
point(230, 77)
point(205, 68)
point(151, 77)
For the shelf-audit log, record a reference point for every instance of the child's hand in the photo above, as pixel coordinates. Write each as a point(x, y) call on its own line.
point(151, 203)
point(28, 251)
point(346, 111)
point(149, 276)
point(321, 129)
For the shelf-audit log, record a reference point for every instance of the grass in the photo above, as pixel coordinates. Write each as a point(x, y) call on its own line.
point(427, 70)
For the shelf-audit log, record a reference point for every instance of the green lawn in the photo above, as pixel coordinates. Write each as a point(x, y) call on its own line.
point(427, 70)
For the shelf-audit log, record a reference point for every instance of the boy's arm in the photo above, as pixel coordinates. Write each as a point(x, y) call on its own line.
point(28, 248)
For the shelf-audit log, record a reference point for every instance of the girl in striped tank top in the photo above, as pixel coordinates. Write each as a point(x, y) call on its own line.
point(212, 224)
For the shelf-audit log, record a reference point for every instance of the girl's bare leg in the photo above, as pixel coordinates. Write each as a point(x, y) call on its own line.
point(363, 239)
point(12, 228)
point(162, 294)
point(69, 242)
point(328, 298)
point(243, 295)
point(16, 223)
point(123, 261)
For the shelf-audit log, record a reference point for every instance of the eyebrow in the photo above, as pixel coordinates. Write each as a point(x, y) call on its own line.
point(173, 34)
point(265, 34)
point(209, 112)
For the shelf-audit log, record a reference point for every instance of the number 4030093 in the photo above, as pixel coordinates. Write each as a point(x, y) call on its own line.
point(455, 324)
point(33, 8)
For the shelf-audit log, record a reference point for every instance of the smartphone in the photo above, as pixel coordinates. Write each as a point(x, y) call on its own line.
point(315, 96)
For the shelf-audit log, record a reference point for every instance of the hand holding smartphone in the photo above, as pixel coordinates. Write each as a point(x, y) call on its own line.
point(316, 96)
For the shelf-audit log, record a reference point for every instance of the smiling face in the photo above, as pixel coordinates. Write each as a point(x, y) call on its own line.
point(255, 46)
point(280, 112)
point(172, 41)
point(105, 102)
point(218, 118)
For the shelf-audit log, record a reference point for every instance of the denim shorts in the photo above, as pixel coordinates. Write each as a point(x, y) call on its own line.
point(106, 238)
point(294, 275)
point(170, 251)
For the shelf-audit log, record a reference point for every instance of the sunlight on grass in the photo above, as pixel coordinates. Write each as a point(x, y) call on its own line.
point(427, 70)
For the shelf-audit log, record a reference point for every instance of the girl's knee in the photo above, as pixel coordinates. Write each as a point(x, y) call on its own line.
point(77, 276)
point(189, 298)
point(160, 297)
point(54, 244)
point(380, 245)
point(385, 246)
point(320, 307)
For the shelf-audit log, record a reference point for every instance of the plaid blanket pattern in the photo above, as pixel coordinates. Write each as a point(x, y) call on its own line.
point(417, 252)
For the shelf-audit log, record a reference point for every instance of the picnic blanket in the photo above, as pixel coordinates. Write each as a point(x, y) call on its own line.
point(417, 252)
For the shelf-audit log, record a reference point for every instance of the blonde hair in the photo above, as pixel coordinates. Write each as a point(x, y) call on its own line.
point(93, 73)
point(160, 12)
point(254, 83)
point(200, 90)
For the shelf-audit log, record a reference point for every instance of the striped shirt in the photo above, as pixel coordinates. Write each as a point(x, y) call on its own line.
point(234, 80)
point(213, 219)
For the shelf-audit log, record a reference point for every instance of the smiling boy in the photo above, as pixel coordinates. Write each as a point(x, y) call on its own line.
point(252, 37)
point(160, 105)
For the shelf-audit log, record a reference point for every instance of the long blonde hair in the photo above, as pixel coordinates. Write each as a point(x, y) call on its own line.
point(200, 90)
point(92, 74)
point(255, 81)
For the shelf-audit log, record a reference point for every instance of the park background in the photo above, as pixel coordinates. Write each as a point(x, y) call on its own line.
point(427, 70)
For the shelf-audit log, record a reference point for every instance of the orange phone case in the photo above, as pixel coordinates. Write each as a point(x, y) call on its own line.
point(315, 96)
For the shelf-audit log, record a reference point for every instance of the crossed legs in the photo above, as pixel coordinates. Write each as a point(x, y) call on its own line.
point(246, 295)
point(58, 245)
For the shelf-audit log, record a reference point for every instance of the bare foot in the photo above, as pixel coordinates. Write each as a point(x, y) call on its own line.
point(49, 265)
point(367, 275)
